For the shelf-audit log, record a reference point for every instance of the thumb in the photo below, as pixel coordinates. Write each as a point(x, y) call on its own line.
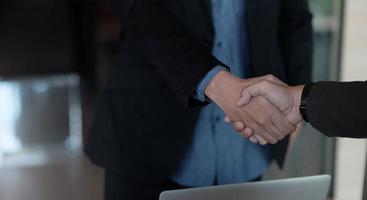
point(278, 95)
point(253, 90)
point(244, 99)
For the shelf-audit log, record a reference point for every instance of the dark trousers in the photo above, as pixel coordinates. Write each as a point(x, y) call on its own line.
point(122, 188)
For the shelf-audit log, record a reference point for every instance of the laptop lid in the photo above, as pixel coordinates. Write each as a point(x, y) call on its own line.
point(304, 188)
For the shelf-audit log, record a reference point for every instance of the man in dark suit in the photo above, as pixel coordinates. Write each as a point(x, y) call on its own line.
point(149, 131)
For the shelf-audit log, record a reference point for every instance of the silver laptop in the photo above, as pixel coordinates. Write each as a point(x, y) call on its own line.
point(304, 188)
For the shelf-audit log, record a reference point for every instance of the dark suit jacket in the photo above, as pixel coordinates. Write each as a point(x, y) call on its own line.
point(339, 109)
point(146, 115)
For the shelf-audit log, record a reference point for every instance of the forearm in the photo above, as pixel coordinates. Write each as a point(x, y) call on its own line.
point(338, 109)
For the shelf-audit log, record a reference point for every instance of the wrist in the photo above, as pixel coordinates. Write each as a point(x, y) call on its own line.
point(304, 101)
point(214, 88)
point(296, 94)
point(199, 93)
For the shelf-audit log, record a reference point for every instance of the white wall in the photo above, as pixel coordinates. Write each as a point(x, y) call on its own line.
point(351, 153)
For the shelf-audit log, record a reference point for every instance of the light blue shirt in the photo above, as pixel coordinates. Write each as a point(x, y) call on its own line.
point(218, 154)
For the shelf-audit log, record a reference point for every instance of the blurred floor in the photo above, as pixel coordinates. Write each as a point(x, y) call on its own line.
point(41, 142)
point(73, 179)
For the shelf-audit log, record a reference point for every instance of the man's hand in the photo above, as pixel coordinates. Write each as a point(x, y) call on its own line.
point(286, 98)
point(260, 116)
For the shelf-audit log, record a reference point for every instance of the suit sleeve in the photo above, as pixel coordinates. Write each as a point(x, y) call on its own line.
point(181, 59)
point(338, 109)
point(296, 40)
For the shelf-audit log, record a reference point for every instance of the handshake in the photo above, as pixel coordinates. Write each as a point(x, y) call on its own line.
point(263, 109)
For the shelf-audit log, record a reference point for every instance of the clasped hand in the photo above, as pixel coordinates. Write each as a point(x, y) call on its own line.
point(263, 109)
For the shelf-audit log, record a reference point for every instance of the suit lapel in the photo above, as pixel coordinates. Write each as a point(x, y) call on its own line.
point(207, 5)
point(208, 8)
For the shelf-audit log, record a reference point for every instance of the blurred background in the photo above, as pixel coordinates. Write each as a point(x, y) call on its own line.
point(54, 56)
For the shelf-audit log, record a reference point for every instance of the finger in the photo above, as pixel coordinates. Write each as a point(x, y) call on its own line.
point(274, 93)
point(247, 132)
point(260, 121)
point(273, 134)
point(260, 80)
point(227, 119)
point(243, 135)
point(253, 139)
point(266, 135)
point(282, 124)
point(261, 140)
point(253, 90)
point(244, 99)
point(274, 131)
point(264, 127)
point(239, 126)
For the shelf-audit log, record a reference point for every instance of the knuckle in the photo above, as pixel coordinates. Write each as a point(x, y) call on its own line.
point(270, 77)
point(235, 126)
point(263, 120)
point(246, 134)
point(239, 127)
point(264, 83)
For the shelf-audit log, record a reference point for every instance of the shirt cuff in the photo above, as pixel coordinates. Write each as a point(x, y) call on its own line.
point(199, 92)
